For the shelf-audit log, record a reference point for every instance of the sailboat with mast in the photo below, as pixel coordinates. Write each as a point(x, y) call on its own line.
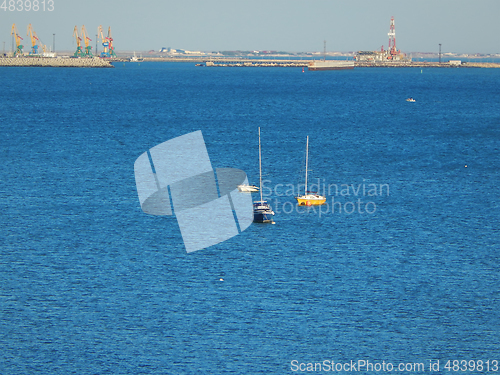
point(309, 198)
point(262, 212)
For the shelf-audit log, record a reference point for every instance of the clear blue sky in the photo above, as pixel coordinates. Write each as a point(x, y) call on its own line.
point(286, 25)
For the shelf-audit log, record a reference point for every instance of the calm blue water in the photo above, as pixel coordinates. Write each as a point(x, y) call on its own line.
point(92, 285)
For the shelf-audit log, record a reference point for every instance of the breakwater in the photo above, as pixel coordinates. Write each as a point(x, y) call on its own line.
point(246, 62)
point(425, 64)
point(258, 63)
point(227, 62)
point(56, 62)
point(307, 63)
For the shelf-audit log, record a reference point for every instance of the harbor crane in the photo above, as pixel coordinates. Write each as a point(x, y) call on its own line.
point(19, 46)
point(104, 41)
point(44, 48)
point(86, 39)
point(107, 43)
point(111, 48)
point(78, 52)
point(34, 40)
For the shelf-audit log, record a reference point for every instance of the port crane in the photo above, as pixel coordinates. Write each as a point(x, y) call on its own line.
point(111, 48)
point(34, 40)
point(79, 51)
point(107, 43)
point(86, 39)
point(19, 46)
point(44, 48)
point(104, 41)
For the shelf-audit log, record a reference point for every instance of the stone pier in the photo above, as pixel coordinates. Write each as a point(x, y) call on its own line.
point(56, 62)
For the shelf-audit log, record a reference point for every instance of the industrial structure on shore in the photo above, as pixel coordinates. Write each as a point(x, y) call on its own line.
point(41, 56)
point(389, 55)
point(38, 49)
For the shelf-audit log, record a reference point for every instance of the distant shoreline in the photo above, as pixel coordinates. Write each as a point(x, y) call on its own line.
point(227, 62)
point(245, 62)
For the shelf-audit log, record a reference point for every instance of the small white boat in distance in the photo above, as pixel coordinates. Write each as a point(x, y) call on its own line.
point(248, 188)
point(410, 100)
point(136, 59)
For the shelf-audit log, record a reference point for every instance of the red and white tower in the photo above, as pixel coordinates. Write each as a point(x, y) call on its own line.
point(392, 38)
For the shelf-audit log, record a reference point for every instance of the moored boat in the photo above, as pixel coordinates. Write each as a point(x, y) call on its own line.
point(248, 188)
point(262, 212)
point(309, 198)
point(136, 59)
point(331, 65)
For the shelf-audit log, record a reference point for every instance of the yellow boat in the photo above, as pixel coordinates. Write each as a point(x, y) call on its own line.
point(309, 198)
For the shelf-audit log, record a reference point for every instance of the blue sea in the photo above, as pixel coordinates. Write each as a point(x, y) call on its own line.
point(401, 267)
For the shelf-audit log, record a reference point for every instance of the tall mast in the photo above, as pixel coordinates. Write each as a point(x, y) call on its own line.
point(260, 168)
point(307, 156)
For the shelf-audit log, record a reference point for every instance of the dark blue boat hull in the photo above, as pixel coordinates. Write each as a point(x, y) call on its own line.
point(259, 217)
point(262, 212)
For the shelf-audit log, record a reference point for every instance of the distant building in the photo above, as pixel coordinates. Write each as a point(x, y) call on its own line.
point(391, 54)
point(374, 56)
point(381, 56)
